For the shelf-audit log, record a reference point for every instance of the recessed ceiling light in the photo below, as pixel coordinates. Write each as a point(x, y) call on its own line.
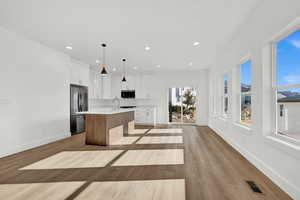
point(196, 43)
point(69, 47)
point(147, 48)
point(158, 66)
point(135, 68)
point(190, 63)
point(97, 61)
point(114, 69)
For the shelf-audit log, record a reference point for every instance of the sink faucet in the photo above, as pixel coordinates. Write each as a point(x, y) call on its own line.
point(116, 102)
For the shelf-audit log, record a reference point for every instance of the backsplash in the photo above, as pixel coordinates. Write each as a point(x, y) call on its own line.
point(97, 103)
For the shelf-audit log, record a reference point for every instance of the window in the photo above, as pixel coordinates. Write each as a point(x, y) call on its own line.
point(287, 84)
point(225, 95)
point(245, 92)
point(182, 105)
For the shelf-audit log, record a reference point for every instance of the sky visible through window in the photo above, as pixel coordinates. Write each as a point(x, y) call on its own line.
point(246, 73)
point(288, 60)
point(226, 78)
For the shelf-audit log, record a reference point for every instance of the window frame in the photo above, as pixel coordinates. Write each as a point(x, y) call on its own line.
point(214, 99)
point(242, 61)
point(225, 95)
point(290, 29)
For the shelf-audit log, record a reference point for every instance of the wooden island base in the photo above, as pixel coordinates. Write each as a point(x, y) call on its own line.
point(103, 129)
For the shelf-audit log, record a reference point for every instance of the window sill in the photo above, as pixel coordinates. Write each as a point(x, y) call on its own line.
point(279, 143)
point(223, 118)
point(214, 115)
point(244, 126)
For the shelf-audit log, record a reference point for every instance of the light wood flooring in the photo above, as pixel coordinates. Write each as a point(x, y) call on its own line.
point(166, 163)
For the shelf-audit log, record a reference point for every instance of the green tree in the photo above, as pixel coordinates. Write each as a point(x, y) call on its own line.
point(188, 98)
point(188, 102)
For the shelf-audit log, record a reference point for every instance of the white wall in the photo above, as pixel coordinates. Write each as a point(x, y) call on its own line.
point(289, 122)
point(34, 93)
point(155, 87)
point(278, 160)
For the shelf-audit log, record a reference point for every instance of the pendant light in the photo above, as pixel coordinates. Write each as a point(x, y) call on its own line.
point(124, 78)
point(103, 70)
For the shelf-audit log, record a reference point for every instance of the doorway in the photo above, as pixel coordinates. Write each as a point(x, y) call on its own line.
point(182, 105)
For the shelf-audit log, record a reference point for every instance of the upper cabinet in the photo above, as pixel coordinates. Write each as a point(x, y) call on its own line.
point(99, 87)
point(144, 86)
point(130, 83)
point(133, 82)
point(79, 73)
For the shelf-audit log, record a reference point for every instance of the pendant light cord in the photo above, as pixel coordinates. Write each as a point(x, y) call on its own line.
point(124, 71)
point(103, 55)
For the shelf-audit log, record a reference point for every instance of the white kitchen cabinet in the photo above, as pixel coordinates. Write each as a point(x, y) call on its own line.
point(135, 82)
point(145, 86)
point(130, 83)
point(79, 73)
point(145, 115)
point(100, 87)
point(106, 87)
point(139, 89)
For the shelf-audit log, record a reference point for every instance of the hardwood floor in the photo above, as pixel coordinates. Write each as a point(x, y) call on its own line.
point(209, 170)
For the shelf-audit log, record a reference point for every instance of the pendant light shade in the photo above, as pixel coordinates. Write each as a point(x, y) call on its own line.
point(103, 69)
point(124, 78)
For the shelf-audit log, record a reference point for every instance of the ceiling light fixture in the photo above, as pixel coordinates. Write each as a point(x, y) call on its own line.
point(103, 70)
point(114, 69)
point(135, 68)
point(190, 63)
point(97, 61)
point(158, 66)
point(147, 48)
point(196, 43)
point(69, 47)
point(124, 78)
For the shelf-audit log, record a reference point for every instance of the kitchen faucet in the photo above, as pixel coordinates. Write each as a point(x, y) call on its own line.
point(116, 102)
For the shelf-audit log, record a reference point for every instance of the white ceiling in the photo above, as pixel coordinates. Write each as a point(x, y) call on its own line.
point(169, 27)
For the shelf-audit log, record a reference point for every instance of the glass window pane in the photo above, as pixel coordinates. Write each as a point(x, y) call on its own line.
point(226, 84)
point(182, 105)
point(287, 60)
point(288, 112)
point(246, 108)
point(189, 105)
point(246, 76)
point(175, 105)
point(226, 105)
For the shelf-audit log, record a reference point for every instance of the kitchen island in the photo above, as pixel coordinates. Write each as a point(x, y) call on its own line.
point(104, 126)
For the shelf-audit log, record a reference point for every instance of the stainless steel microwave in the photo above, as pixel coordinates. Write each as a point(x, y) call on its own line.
point(128, 94)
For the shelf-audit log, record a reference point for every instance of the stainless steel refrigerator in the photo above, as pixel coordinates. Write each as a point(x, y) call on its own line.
point(78, 103)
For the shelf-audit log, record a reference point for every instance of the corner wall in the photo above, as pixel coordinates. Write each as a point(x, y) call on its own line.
point(34, 94)
point(277, 160)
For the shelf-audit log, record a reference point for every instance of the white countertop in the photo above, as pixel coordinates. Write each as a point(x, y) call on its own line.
point(106, 111)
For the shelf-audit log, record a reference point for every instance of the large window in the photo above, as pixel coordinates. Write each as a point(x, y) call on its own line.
point(182, 105)
point(245, 92)
point(225, 95)
point(287, 84)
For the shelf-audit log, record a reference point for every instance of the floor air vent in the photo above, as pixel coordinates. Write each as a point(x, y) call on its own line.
point(254, 187)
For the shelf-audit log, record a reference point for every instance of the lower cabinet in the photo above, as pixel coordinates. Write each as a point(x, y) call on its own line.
point(145, 115)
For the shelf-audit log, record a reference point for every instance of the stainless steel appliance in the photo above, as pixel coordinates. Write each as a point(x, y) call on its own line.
point(78, 103)
point(128, 94)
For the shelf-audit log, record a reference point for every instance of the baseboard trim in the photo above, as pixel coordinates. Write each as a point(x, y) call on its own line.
point(283, 183)
point(201, 124)
point(145, 124)
point(34, 144)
